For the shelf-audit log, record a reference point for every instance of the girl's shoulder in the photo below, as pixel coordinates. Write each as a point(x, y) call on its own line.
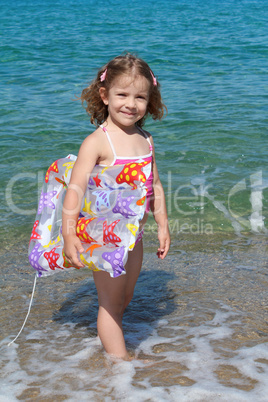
point(148, 135)
point(94, 139)
point(92, 145)
point(145, 132)
point(95, 146)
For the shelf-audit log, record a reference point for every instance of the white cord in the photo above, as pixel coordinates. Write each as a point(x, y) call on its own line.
point(29, 309)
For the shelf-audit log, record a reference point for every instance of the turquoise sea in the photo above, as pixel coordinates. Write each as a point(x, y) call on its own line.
point(205, 329)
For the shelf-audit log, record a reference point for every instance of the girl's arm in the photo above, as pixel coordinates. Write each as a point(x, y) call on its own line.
point(159, 210)
point(87, 157)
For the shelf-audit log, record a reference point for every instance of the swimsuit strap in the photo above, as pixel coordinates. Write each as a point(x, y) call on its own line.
point(111, 144)
point(146, 136)
point(110, 141)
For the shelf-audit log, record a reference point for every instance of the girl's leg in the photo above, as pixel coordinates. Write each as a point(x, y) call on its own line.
point(114, 294)
point(111, 293)
point(133, 268)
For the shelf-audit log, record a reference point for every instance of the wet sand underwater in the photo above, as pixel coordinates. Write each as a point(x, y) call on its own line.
point(197, 327)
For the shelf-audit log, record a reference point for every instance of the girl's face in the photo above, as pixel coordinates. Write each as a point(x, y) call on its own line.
point(127, 99)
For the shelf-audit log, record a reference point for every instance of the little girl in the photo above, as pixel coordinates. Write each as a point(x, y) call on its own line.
point(124, 92)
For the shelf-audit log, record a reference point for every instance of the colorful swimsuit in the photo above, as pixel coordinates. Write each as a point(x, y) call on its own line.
point(122, 160)
point(114, 203)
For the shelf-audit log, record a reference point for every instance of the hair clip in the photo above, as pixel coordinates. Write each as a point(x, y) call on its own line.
point(103, 76)
point(154, 79)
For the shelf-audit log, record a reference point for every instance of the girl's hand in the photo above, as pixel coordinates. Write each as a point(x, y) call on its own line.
point(164, 243)
point(72, 246)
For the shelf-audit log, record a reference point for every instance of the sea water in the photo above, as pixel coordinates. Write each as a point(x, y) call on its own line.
point(197, 327)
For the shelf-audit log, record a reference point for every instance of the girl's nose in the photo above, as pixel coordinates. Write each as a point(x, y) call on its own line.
point(130, 102)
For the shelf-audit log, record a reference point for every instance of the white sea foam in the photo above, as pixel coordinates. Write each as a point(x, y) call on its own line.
point(187, 361)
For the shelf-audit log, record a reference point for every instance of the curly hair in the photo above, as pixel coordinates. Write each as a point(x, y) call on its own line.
point(123, 64)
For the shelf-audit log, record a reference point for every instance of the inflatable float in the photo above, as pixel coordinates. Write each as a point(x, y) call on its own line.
point(108, 223)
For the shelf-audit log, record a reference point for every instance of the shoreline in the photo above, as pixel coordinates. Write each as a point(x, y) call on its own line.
point(204, 307)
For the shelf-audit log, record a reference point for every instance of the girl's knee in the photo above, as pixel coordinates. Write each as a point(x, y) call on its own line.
point(113, 307)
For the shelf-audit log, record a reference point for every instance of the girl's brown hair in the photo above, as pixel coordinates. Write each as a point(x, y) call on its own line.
point(123, 64)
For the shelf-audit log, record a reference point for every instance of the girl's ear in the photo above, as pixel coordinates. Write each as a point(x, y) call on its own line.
point(103, 95)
